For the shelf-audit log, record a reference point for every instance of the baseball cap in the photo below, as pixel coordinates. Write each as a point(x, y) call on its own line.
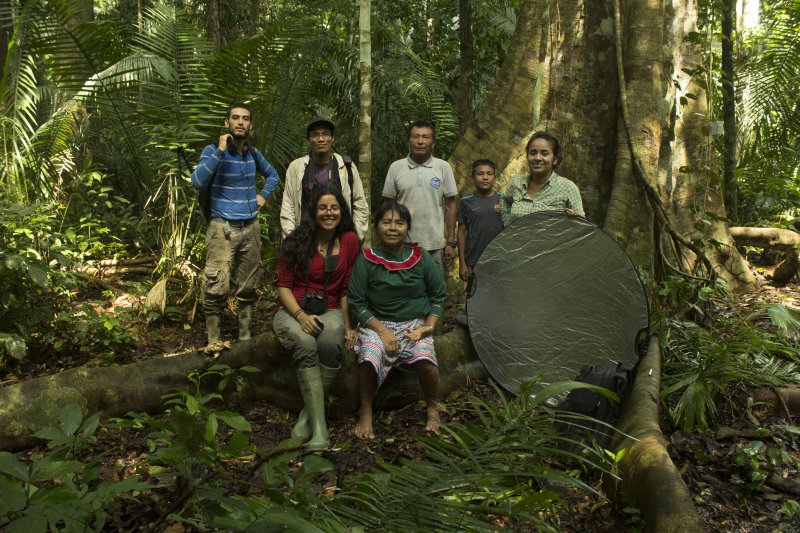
point(319, 121)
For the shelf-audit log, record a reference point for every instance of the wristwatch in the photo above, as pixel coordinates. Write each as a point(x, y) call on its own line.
point(453, 244)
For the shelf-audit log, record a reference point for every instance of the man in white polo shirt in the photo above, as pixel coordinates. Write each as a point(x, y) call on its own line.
point(427, 187)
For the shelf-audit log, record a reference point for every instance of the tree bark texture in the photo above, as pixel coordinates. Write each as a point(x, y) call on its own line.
point(790, 395)
point(365, 101)
point(784, 240)
point(466, 63)
point(648, 479)
point(729, 107)
point(139, 386)
point(561, 75)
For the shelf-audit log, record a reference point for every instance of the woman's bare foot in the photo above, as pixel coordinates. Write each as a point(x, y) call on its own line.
point(363, 429)
point(434, 419)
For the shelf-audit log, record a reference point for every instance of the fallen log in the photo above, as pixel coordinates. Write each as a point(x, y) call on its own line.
point(117, 390)
point(788, 403)
point(648, 479)
point(784, 240)
point(112, 267)
point(782, 484)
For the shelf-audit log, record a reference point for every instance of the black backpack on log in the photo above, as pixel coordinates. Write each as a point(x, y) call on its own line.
point(587, 402)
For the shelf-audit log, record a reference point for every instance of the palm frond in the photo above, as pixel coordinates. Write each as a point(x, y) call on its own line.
point(495, 465)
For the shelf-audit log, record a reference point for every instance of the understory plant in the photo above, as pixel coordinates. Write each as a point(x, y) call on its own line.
point(32, 261)
point(499, 465)
point(185, 445)
point(39, 252)
point(60, 490)
point(503, 463)
point(706, 365)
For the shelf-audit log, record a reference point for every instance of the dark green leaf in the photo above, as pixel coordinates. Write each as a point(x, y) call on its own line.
point(211, 428)
point(235, 421)
point(12, 496)
point(11, 466)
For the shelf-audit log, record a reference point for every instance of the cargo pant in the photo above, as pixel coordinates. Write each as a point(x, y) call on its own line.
point(233, 260)
point(311, 350)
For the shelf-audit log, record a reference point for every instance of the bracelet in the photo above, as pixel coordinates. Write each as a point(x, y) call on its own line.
point(297, 313)
point(453, 244)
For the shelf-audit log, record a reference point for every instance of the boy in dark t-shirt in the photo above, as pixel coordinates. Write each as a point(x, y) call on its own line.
point(479, 219)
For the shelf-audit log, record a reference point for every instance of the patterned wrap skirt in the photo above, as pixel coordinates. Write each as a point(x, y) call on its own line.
point(369, 348)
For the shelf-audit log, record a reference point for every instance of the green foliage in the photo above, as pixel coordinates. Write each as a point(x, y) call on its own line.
point(682, 296)
point(87, 328)
point(790, 510)
point(56, 492)
point(187, 441)
point(787, 319)
point(706, 364)
point(288, 502)
point(31, 259)
point(753, 460)
point(37, 256)
point(769, 70)
point(498, 464)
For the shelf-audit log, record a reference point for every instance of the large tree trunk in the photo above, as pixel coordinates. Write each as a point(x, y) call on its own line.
point(729, 109)
point(139, 386)
point(561, 75)
point(466, 61)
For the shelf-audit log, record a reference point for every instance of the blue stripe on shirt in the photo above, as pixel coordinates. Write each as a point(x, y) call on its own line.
point(233, 191)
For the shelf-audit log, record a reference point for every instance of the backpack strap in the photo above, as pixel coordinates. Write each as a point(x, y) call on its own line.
point(348, 163)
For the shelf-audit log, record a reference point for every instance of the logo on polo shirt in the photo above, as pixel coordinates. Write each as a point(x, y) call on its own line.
point(436, 182)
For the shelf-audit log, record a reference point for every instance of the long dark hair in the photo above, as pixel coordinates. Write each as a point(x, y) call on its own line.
point(301, 244)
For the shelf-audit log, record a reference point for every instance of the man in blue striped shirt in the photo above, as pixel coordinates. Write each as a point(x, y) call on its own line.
point(233, 238)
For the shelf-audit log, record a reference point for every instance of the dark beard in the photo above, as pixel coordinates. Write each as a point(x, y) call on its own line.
point(238, 136)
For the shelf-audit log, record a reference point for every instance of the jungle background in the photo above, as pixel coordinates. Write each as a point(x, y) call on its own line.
point(101, 246)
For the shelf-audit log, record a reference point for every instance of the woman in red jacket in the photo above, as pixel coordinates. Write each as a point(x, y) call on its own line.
point(314, 268)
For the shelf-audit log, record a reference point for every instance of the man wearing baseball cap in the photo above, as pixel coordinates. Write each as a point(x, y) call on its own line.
point(322, 167)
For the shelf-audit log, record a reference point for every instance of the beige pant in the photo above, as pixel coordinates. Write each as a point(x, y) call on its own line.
point(233, 259)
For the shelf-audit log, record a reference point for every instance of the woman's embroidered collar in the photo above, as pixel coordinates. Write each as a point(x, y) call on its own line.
point(389, 264)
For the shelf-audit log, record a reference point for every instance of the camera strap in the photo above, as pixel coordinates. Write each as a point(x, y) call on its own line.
point(327, 268)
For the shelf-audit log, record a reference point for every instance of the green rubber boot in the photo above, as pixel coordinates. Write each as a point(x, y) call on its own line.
point(213, 328)
point(310, 380)
point(245, 318)
point(302, 428)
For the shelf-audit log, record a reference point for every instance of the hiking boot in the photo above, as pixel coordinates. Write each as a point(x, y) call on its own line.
point(213, 328)
point(245, 318)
